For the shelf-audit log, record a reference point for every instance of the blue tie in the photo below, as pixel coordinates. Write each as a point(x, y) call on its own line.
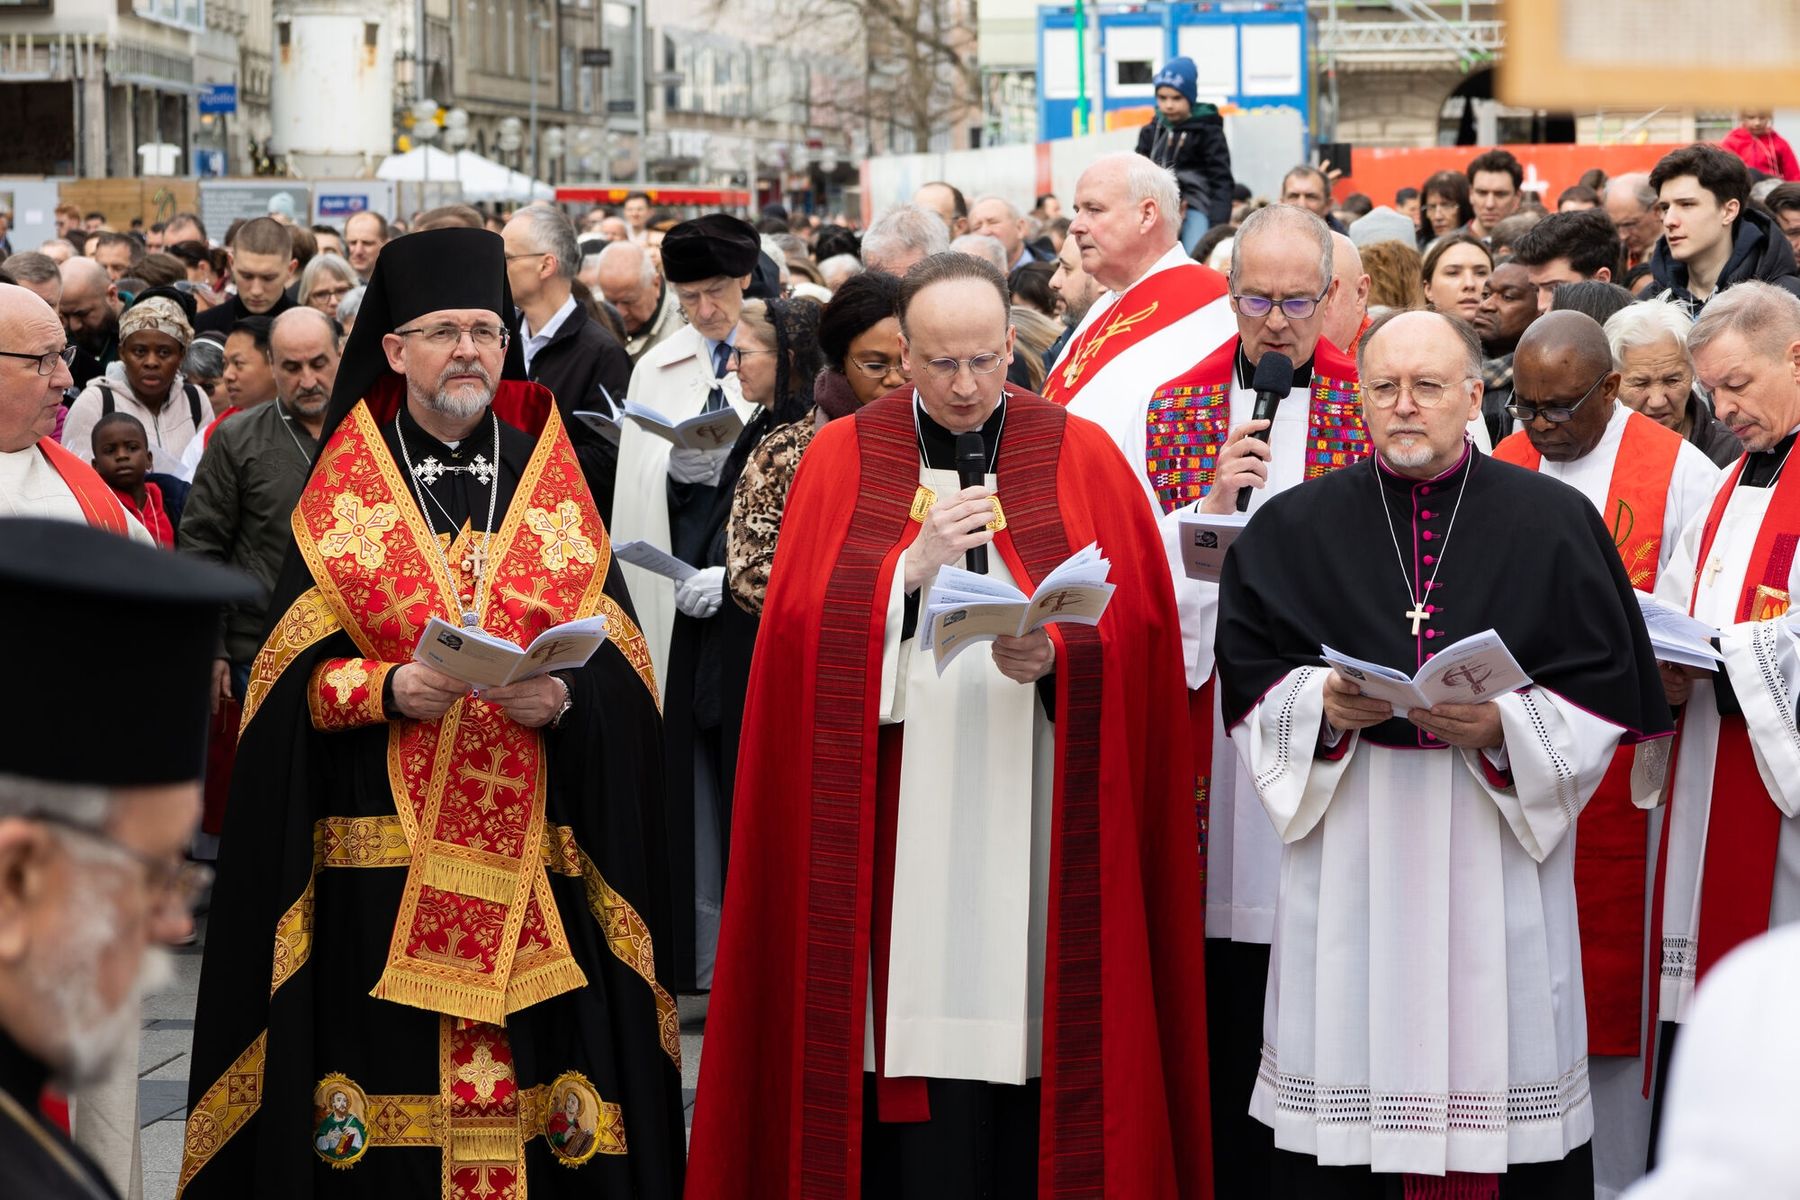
point(715, 399)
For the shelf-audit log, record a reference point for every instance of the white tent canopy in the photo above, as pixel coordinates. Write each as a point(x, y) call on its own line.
point(481, 178)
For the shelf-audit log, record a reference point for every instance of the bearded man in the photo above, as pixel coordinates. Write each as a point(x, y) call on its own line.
point(486, 861)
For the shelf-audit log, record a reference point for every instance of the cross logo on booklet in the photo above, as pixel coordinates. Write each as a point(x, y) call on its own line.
point(1469, 672)
point(963, 608)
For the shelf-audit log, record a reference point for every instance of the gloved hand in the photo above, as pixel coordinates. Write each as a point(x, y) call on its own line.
point(701, 593)
point(697, 466)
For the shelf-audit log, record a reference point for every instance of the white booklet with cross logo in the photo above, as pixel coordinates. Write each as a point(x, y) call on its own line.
point(963, 608)
point(1472, 671)
point(483, 660)
point(716, 430)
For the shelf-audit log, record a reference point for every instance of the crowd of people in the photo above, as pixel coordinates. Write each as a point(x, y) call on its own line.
point(1163, 903)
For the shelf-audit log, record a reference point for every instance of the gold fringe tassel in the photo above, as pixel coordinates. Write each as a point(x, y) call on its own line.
point(471, 1002)
point(497, 885)
point(542, 981)
point(501, 1144)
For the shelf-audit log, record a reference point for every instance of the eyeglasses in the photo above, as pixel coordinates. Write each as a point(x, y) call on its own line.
point(946, 369)
point(323, 293)
point(1297, 309)
point(46, 362)
point(485, 337)
point(734, 358)
point(1426, 393)
point(878, 370)
point(529, 254)
point(1556, 414)
point(175, 885)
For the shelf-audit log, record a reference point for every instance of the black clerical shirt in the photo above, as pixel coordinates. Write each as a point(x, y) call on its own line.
point(1246, 371)
point(455, 494)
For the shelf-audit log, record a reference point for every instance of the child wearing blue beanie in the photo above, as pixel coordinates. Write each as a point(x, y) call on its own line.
point(1189, 138)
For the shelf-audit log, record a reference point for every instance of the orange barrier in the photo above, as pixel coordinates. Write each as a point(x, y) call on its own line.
point(1378, 172)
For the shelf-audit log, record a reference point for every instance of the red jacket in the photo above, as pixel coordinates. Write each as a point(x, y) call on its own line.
point(1769, 153)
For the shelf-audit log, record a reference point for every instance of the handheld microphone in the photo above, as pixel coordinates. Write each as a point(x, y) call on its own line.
point(1273, 380)
point(971, 471)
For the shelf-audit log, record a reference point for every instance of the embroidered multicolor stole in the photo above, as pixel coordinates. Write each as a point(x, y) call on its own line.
point(98, 504)
point(477, 935)
point(1190, 416)
point(1612, 845)
point(1148, 307)
point(1743, 826)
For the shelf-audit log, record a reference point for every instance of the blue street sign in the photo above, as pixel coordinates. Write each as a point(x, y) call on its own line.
point(219, 98)
point(342, 206)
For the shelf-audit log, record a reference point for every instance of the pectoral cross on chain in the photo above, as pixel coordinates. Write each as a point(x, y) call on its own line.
point(1417, 615)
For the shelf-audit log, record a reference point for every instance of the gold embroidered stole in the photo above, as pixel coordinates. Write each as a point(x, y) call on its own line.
point(477, 935)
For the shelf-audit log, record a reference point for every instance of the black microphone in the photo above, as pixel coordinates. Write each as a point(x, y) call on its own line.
point(971, 471)
point(1273, 380)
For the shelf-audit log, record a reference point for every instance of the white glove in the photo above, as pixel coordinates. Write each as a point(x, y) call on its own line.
point(700, 594)
point(697, 466)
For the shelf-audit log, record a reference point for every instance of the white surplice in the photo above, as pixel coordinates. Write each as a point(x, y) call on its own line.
point(1764, 667)
point(972, 859)
point(674, 379)
point(1621, 1111)
point(1424, 1010)
point(31, 487)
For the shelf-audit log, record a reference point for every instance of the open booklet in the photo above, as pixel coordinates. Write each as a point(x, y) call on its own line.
point(707, 431)
point(1676, 637)
point(1205, 537)
point(963, 608)
point(1471, 671)
point(653, 559)
point(479, 658)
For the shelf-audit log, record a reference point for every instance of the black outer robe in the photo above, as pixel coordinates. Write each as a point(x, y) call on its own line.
point(1527, 556)
point(605, 781)
point(32, 1168)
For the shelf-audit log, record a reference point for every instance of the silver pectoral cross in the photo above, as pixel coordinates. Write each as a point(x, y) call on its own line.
point(1417, 615)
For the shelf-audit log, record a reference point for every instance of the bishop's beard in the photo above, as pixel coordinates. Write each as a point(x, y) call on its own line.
point(86, 1039)
point(464, 400)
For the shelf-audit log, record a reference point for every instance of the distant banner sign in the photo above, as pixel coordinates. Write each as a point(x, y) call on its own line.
point(219, 98)
point(227, 201)
point(342, 206)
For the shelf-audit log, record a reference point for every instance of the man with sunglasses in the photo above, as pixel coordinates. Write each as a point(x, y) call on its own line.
point(1648, 484)
point(1022, 818)
point(92, 877)
point(37, 476)
point(465, 881)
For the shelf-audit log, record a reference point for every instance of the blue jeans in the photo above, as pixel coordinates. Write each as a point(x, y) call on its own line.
point(1193, 227)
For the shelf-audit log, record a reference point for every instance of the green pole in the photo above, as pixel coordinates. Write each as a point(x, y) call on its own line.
point(1081, 105)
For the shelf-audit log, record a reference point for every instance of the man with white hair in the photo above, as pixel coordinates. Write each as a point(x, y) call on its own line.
point(92, 875)
point(1347, 313)
point(902, 236)
point(1732, 847)
point(1650, 350)
point(839, 269)
point(996, 217)
point(984, 247)
point(631, 283)
point(1631, 203)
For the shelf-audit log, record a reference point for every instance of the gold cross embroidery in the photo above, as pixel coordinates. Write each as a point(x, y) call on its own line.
point(483, 1071)
point(346, 679)
point(534, 602)
point(397, 606)
point(490, 779)
point(1091, 347)
point(561, 535)
point(358, 530)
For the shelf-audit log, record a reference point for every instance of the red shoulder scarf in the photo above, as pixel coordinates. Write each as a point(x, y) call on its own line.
point(98, 504)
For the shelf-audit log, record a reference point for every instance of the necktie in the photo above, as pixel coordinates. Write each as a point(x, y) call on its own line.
point(715, 399)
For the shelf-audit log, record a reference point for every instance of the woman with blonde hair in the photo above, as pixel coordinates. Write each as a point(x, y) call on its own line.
point(326, 280)
point(1396, 276)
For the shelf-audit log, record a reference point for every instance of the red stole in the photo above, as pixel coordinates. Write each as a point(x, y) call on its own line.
point(1189, 418)
point(98, 504)
point(1612, 836)
point(1124, 1110)
point(1148, 307)
point(1743, 825)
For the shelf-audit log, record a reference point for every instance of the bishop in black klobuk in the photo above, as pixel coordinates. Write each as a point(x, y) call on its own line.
point(1424, 1008)
point(463, 891)
point(92, 828)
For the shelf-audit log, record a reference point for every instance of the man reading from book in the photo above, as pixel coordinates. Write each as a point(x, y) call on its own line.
point(465, 886)
point(950, 894)
point(1424, 1014)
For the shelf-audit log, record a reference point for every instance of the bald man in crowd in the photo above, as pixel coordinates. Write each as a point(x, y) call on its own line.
point(996, 217)
point(631, 283)
point(1347, 311)
point(1648, 484)
point(90, 313)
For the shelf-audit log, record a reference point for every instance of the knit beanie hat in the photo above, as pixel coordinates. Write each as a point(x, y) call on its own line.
point(1180, 74)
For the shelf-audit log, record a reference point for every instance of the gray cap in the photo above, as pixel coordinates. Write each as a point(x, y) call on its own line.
point(1383, 225)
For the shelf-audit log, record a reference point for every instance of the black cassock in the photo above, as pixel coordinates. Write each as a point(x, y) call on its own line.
point(1522, 554)
point(604, 780)
point(38, 1161)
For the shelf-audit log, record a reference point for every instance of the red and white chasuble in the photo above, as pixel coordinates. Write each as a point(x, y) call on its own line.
point(1731, 857)
point(1648, 484)
point(46, 480)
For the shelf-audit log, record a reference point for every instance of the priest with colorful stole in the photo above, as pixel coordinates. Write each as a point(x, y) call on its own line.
point(1648, 485)
point(1732, 843)
point(958, 956)
point(437, 908)
point(1424, 1014)
point(38, 478)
